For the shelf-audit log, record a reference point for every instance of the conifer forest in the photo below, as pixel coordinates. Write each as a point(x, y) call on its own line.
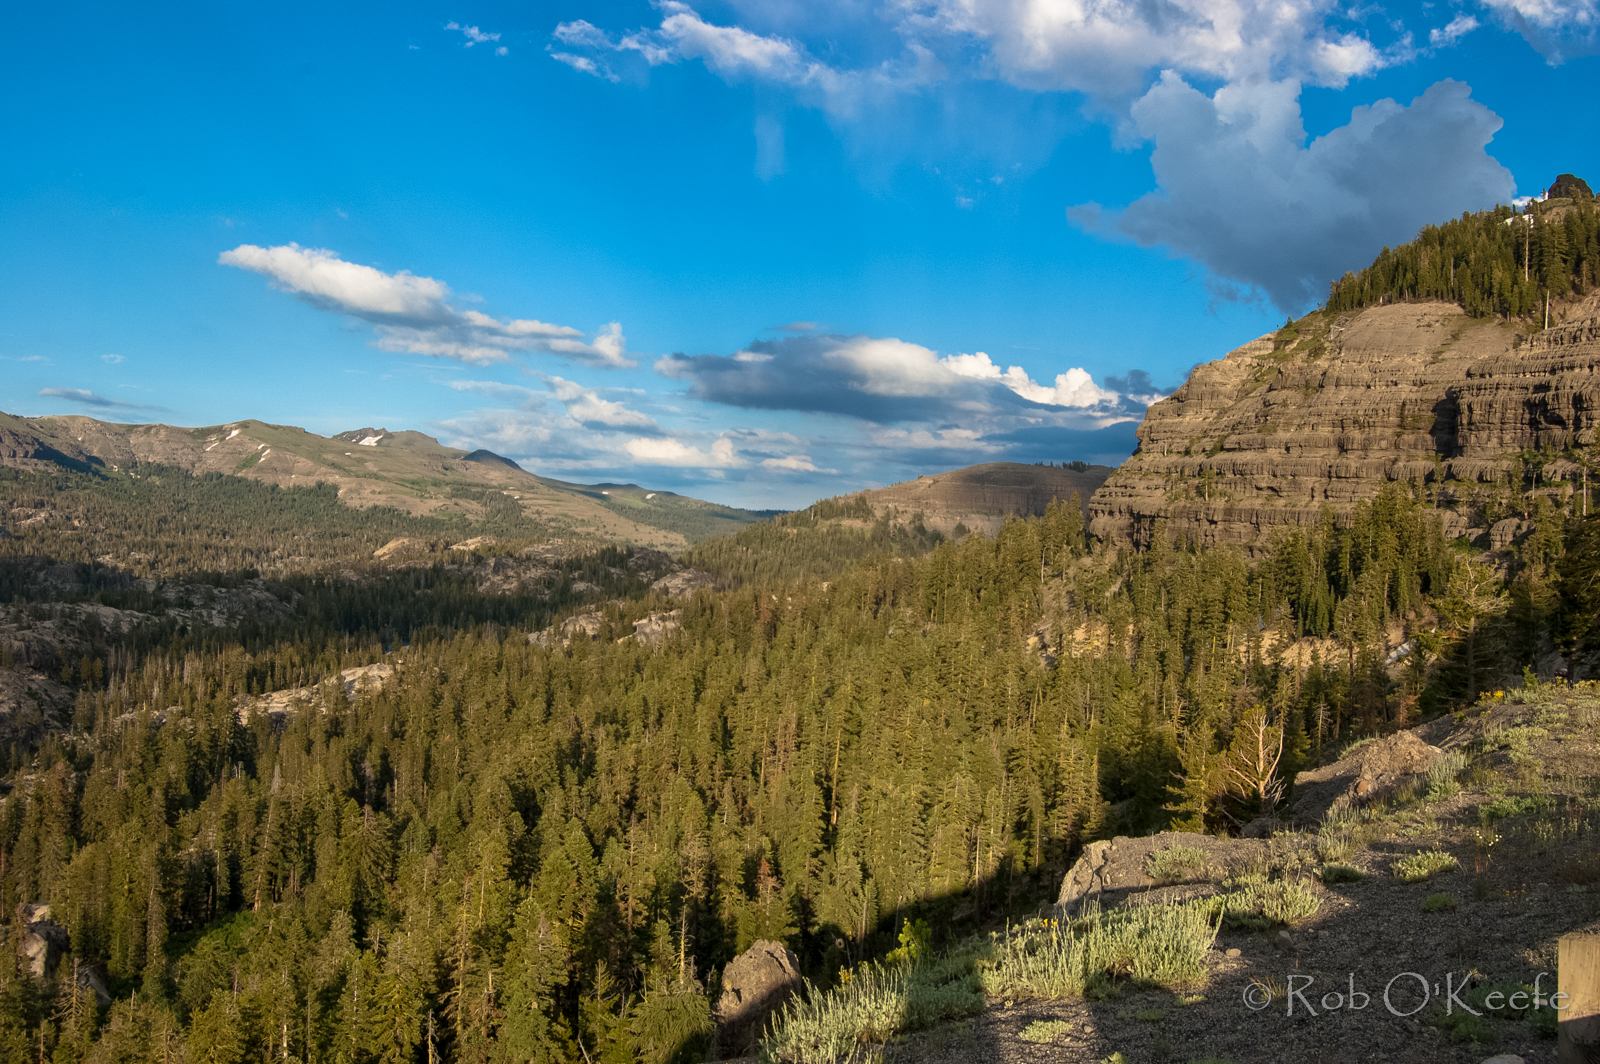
point(546, 849)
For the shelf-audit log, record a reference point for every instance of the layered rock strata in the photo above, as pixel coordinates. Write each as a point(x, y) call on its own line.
point(1321, 415)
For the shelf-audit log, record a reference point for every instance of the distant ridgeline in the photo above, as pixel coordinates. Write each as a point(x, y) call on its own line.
point(1500, 262)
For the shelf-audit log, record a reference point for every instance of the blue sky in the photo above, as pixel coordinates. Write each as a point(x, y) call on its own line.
point(755, 252)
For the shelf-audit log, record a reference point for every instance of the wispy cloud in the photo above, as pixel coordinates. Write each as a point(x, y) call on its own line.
point(413, 314)
point(736, 54)
point(1559, 29)
point(113, 359)
point(476, 36)
point(1458, 28)
point(94, 401)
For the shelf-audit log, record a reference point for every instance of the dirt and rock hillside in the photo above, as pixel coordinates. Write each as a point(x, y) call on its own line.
point(1325, 412)
point(1461, 851)
point(981, 497)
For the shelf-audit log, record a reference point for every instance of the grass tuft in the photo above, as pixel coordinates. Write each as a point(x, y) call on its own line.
point(1042, 1031)
point(1156, 945)
point(1442, 902)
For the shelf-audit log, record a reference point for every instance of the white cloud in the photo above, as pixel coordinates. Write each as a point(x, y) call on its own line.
point(1074, 388)
point(1241, 191)
point(667, 451)
point(1106, 48)
point(113, 359)
point(1458, 28)
point(934, 440)
point(585, 406)
point(412, 314)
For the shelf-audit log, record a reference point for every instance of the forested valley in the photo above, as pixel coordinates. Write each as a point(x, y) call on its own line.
point(541, 849)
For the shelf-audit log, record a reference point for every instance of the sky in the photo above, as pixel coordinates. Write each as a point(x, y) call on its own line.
point(754, 252)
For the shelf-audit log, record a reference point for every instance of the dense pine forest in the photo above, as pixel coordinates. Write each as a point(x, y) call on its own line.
point(1503, 262)
point(518, 850)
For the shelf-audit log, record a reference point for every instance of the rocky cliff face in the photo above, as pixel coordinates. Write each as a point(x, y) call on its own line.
point(1323, 414)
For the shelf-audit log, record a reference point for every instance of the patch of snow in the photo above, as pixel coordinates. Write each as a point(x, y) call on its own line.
point(370, 441)
point(605, 493)
point(232, 434)
point(651, 495)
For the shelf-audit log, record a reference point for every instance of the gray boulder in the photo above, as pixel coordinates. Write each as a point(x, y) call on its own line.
point(755, 984)
point(1110, 870)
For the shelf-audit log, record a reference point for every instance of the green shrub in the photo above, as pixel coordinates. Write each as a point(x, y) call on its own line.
point(1419, 867)
point(1462, 1026)
point(1440, 903)
point(1175, 864)
point(1338, 873)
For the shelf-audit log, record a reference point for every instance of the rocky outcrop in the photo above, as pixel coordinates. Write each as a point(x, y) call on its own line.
point(755, 984)
point(1109, 870)
point(1368, 772)
point(683, 583)
point(655, 627)
point(1325, 413)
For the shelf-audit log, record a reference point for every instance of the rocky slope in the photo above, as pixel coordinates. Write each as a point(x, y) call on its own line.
point(370, 467)
point(981, 497)
point(1325, 412)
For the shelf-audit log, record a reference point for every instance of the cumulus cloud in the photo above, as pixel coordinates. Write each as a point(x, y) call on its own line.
point(1073, 388)
point(1106, 48)
point(1559, 29)
point(1241, 192)
point(413, 314)
point(880, 380)
point(736, 54)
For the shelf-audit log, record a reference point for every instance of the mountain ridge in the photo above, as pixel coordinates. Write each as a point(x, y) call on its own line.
point(407, 470)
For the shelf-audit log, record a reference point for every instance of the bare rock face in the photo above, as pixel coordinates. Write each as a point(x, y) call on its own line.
point(1365, 773)
point(755, 984)
point(44, 942)
point(1110, 870)
point(1326, 414)
point(683, 584)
